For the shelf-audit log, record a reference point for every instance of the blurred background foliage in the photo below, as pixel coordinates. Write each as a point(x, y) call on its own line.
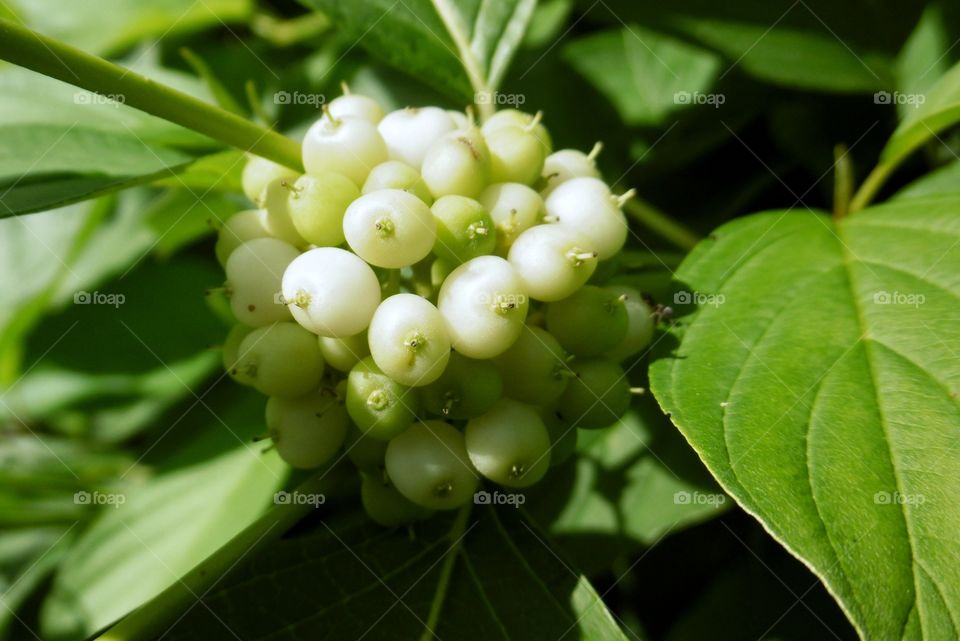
point(131, 397)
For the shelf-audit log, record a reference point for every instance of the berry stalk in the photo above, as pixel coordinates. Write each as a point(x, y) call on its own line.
point(657, 221)
point(27, 48)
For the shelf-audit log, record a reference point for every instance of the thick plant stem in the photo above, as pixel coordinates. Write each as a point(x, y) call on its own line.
point(483, 98)
point(871, 186)
point(149, 620)
point(660, 223)
point(48, 56)
point(842, 181)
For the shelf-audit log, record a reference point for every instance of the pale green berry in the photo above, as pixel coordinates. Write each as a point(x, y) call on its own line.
point(484, 306)
point(389, 228)
point(597, 396)
point(640, 324)
point(343, 353)
point(379, 406)
point(514, 208)
point(408, 340)
point(317, 204)
point(589, 322)
point(307, 431)
point(236, 230)
point(365, 452)
point(467, 388)
point(562, 165)
point(563, 437)
point(509, 444)
point(352, 105)
point(254, 271)
point(395, 174)
point(260, 171)
point(458, 163)
point(386, 506)
point(534, 369)
point(331, 292)
point(516, 155)
point(282, 359)
point(231, 347)
point(517, 118)
point(275, 212)
point(428, 464)
point(464, 229)
point(552, 261)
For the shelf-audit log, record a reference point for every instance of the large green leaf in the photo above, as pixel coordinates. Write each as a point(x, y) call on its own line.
point(491, 576)
point(818, 381)
point(413, 36)
point(107, 26)
point(645, 75)
point(211, 485)
point(940, 109)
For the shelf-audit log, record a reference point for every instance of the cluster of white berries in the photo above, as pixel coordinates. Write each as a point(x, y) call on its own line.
point(419, 299)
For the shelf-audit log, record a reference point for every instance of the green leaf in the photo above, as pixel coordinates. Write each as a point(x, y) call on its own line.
point(818, 379)
point(490, 576)
point(644, 74)
point(209, 488)
point(944, 181)
point(816, 44)
point(108, 26)
point(940, 109)
point(924, 57)
point(630, 485)
point(479, 37)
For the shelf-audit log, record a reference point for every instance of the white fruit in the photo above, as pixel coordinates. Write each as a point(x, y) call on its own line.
point(238, 229)
point(254, 272)
point(408, 340)
point(509, 444)
point(353, 105)
point(258, 172)
point(307, 431)
point(395, 174)
point(552, 261)
point(349, 146)
point(484, 305)
point(409, 133)
point(516, 155)
point(458, 163)
point(428, 464)
point(389, 228)
point(562, 165)
point(316, 206)
point(517, 118)
point(331, 292)
point(514, 209)
point(586, 204)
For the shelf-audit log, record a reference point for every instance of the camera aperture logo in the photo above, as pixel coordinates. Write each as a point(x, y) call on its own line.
point(896, 98)
point(898, 498)
point(113, 499)
point(715, 100)
point(497, 497)
point(298, 498)
point(498, 98)
point(683, 497)
point(898, 298)
point(91, 98)
point(98, 298)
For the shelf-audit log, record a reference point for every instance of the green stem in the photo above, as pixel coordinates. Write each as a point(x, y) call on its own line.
point(148, 621)
point(871, 185)
point(48, 56)
point(483, 98)
point(446, 570)
point(660, 223)
point(842, 181)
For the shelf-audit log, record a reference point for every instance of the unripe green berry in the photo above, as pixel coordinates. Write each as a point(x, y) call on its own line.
point(275, 212)
point(378, 405)
point(640, 324)
point(516, 155)
point(408, 340)
point(509, 444)
point(236, 230)
point(429, 465)
point(458, 163)
point(514, 208)
point(534, 369)
point(386, 506)
point(282, 359)
point(467, 388)
point(365, 452)
point(562, 165)
point(597, 396)
point(231, 347)
point(589, 322)
point(517, 118)
point(260, 171)
point(317, 204)
point(464, 229)
point(343, 353)
point(308, 430)
point(395, 174)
